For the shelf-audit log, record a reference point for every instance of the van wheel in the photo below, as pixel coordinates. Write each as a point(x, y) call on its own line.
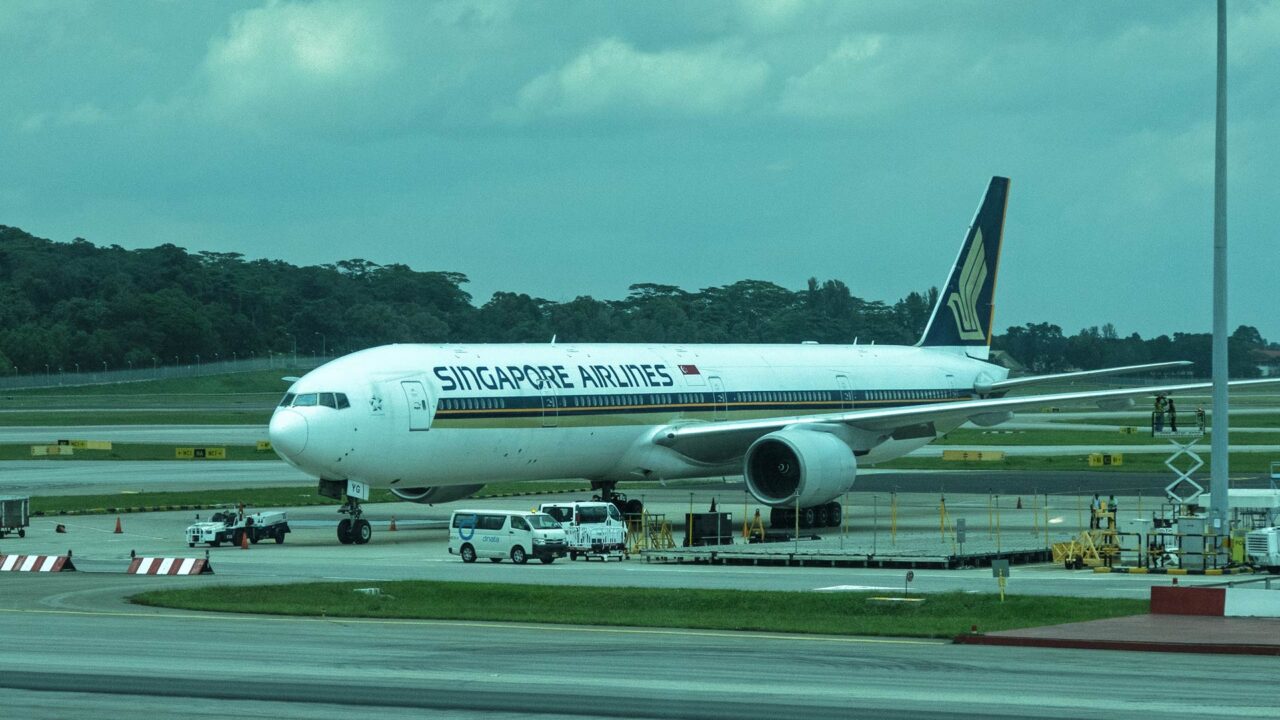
point(468, 554)
point(517, 555)
point(547, 559)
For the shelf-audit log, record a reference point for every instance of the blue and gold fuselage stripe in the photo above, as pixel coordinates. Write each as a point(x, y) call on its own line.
point(764, 401)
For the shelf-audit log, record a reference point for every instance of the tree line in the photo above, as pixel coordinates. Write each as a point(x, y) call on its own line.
point(65, 305)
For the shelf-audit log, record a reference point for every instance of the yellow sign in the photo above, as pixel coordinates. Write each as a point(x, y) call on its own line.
point(264, 445)
point(1104, 459)
point(201, 453)
point(88, 444)
point(973, 455)
point(1128, 430)
point(47, 450)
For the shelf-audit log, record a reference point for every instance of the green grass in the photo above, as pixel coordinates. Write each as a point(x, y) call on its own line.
point(1133, 462)
point(254, 382)
point(941, 615)
point(134, 451)
point(175, 416)
point(258, 497)
point(1266, 420)
point(972, 437)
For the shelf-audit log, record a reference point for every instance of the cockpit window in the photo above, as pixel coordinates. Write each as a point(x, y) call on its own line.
point(337, 401)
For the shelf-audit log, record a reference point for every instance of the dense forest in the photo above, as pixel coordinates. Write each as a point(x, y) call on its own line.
point(71, 304)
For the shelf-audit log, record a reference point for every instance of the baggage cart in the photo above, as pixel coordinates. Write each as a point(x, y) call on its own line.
point(15, 515)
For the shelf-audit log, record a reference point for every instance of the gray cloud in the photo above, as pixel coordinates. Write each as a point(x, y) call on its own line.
point(577, 147)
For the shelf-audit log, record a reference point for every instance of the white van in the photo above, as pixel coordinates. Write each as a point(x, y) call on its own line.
point(591, 528)
point(501, 534)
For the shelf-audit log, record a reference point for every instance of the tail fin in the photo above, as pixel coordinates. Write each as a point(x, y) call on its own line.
point(962, 317)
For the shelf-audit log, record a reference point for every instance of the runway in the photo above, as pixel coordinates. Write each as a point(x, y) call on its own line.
point(95, 477)
point(107, 664)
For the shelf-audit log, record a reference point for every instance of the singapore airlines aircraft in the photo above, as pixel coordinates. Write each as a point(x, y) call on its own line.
point(434, 423)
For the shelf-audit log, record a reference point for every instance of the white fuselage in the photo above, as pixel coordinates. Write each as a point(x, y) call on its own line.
point(412, 416)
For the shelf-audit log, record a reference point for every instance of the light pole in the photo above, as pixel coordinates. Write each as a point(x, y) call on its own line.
point(197, 363)
point(294, 338)
point(324, 343)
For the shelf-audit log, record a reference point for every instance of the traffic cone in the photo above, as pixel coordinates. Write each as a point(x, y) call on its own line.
point(119, 530)
point(1019, 504)
point(393, 524)
point(244, 541)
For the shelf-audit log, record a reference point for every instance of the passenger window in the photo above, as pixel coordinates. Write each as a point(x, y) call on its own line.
point(327, 400)
point(287, 401)
point(518, 523)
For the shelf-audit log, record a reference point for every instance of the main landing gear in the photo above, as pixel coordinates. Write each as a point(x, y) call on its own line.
point(818, 516)
point(355, 529)
point(605, 493)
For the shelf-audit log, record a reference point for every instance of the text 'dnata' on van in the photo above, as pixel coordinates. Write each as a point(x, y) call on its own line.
point(501, 534)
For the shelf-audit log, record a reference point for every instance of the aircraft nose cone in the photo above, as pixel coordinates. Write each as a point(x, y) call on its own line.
point(288, 433)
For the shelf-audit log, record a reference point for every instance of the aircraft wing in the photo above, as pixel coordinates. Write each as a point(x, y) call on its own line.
point(720, 441)
point(1004, 386)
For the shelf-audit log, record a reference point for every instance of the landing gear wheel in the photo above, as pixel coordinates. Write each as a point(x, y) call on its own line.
point(517, 555)
point(468, 554)
point(634, 507)
point(833, 512)
point(808, 517)
point(344, 531)
point(823, 516)
point(361, 531)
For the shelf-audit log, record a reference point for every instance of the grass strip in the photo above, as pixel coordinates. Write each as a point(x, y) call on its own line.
point(135, 451)
point(829, 613)
point(1133, 462)
point(257, 497)
point(1082, 437)
point(153, 416)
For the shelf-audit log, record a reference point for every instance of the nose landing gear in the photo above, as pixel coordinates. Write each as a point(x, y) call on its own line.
point(355, 529)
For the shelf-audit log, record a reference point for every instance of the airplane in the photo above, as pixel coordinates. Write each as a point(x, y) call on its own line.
point(435, 423)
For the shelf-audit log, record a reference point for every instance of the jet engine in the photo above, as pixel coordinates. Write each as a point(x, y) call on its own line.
point(813, 465)
point(437, 494)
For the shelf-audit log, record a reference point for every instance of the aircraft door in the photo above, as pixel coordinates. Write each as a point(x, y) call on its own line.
point(846, 392)
point(419, 404)
point(719, 399)
point(550, 406)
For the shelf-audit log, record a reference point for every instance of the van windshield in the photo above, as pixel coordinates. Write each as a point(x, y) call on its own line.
point(563, 514)
point(543, 522)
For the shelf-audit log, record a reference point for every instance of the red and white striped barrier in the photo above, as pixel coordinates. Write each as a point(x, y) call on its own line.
point(35, 563)
point(168, 566)
point(1228, 602)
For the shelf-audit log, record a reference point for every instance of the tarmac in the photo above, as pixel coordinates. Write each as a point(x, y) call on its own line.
point(1148, 633)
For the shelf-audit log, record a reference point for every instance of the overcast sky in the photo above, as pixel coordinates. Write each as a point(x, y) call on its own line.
point(574, 148)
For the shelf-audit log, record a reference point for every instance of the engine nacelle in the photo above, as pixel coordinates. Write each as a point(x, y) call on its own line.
point(437, 494)
point(797, 465)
